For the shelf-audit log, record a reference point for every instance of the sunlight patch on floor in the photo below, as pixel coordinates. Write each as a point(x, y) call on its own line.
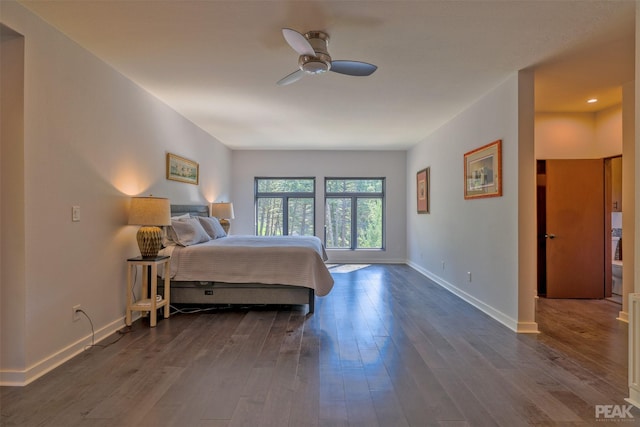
point(345, 268)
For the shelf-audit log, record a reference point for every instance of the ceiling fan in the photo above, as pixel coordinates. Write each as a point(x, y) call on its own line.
point(314, 57)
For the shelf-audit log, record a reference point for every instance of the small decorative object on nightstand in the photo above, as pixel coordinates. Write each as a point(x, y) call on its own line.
point(224, 212)
point(149, 303)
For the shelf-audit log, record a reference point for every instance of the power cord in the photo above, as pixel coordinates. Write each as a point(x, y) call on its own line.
point(133, 288)
point(191, 310)
point(122, 332)
point(194, 310)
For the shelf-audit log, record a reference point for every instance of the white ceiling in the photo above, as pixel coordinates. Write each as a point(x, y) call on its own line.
point(217, 62)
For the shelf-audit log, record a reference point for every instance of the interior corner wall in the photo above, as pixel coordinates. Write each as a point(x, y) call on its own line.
point(12, 228)
point(629, 225)
point(92, 138)
point(476, 236)
point(579, 135)
point(248, 164)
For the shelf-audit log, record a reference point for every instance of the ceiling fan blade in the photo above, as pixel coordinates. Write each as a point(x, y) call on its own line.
point(298, 42)
point(353, 68)
point(293, 77)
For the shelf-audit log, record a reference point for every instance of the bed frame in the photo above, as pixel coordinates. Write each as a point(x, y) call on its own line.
point(199, 293)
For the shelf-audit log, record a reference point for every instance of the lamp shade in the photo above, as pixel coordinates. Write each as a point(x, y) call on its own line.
point(222, 210)
point(150, 211)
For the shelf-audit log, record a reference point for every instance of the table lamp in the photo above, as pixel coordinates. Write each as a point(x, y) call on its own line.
point(224, 212)
point(150, 213)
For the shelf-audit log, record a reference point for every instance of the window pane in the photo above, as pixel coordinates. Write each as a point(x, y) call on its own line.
point(369, 223)
point(283, 185)
point(269, 216)
point(301, 217)
point(338, 223)
point(354, 186)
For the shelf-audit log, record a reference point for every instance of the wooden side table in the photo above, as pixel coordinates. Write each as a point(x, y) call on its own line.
point(149, 277)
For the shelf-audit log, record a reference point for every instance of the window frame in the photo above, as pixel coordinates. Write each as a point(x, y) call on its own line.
point(354, 196)
point(284, 196)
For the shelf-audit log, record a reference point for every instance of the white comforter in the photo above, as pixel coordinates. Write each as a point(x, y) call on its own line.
point(283, 260)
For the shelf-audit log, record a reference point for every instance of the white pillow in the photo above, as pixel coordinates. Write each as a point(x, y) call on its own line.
point(169, 237)
point(189, 232)
point(212, 226)
point(181, 217)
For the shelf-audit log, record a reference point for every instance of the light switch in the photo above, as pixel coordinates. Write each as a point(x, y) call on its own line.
point(75, 213)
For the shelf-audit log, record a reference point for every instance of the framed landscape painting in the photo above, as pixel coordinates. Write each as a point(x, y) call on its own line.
point(483, 171)
point(422, 190)
point(181, 169)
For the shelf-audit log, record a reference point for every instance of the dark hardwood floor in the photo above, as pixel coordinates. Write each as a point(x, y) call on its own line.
point(386, 348)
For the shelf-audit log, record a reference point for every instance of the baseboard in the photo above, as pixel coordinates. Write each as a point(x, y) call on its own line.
point(633, 400)
point(366, 261)
point(509, 322)
point(35, 371)
point(623, 316)
point(527, 328)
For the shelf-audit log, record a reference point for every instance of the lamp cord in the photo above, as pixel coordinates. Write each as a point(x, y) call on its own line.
point(122, 332)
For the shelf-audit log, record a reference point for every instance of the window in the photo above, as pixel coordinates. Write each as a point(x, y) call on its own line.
point(354, 213)
point(285, 206)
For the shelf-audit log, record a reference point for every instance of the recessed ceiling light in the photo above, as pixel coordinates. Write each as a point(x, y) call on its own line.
point(592, 100)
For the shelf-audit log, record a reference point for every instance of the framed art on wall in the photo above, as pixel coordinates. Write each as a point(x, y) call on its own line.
point(483, 171)
point(422, 190)
point(181, 169)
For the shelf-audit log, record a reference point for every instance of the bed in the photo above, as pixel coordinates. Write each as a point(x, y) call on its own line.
point(245, 270)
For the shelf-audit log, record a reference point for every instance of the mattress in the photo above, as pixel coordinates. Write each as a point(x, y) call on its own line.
point(281, 260)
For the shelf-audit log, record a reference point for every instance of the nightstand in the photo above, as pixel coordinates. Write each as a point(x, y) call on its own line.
point(149, 279)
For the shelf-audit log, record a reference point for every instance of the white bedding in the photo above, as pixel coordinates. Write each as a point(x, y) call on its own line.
point(283, 260)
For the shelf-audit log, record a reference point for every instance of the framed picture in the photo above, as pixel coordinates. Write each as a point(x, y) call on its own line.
point(422, 190)
point(483, 171)
point(181, 169)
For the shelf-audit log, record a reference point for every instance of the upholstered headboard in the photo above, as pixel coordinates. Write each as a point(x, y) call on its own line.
point(194, 210)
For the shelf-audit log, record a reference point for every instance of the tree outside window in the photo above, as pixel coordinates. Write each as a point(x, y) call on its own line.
point(285, 206)
point(354, 213)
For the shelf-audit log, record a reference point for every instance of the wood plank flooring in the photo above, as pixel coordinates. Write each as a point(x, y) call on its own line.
point(386, 348)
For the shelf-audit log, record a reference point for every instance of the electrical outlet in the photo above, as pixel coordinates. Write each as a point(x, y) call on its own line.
point(469, 275)
point(442, 264)
point(76, 313)
point(75, 213)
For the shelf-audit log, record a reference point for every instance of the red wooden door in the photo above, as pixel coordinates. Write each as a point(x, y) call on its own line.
point(575, 228)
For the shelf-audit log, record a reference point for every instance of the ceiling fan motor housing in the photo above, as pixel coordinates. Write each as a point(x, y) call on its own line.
point(322, 61)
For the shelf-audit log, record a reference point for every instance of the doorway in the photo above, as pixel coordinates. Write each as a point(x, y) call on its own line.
point(571, 228)
point(613, 218)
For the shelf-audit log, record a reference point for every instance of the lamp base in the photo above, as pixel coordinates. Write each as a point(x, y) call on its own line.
point(149, 240)
point(225, 225)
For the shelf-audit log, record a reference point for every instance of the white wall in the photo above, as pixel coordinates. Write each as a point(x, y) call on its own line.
point(91, 138)
point(478, 236)
point(12, 223)
point(249, 164)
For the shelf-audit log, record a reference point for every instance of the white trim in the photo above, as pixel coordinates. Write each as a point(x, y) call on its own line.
point(623, 316)
point(364, 261)
point(528, 328)
point(37, 370)
point(509, 322)
point(634, 353)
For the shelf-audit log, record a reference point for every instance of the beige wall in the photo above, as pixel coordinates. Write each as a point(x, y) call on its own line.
point(629, 166)
point(579, 135)
point(92, 138)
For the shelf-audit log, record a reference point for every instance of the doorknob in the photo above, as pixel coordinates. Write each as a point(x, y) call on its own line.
point(550, 236)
